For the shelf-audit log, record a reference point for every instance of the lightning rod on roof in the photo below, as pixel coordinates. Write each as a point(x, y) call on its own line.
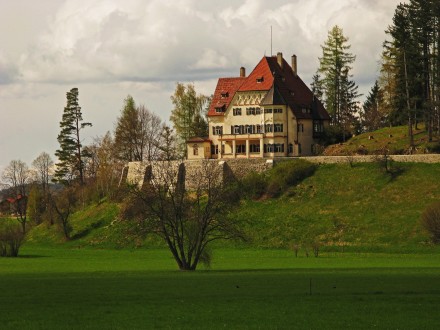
point(271, 41)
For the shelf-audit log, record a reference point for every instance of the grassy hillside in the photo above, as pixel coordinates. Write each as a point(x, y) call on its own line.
point(394, 139)
point(341, 206)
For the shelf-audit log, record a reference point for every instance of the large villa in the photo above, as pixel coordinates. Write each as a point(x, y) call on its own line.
point(270, 113)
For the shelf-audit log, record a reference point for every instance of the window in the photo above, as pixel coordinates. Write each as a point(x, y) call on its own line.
point(299, 148)
point(305, 110)
point(279, 147)
point(253, 111)
point(236, 111)
point(217, 130)
point(300, 127)
point(290, 148)
point(259, 129)
point(255, 148)
point(279, 110)
point(214, 149)
point(260, 79)
point(220, 109)
point(278, 127)
point(318, 127)
point(249, 129)
point(224, 95)
point(268, 148)
point(268, 128)
point(267, 110)
point(236, 129)
point(195, 150)
point(240, 148)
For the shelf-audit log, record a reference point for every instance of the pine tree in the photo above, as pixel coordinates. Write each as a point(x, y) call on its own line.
point(137, 133)
point(126, 130)
point(188, 115)
point(70, 154)
point(340, 92)
point(316, 86)
point(372, 116)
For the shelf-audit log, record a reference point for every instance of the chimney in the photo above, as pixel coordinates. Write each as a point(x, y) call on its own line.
point(294, 65)
point(242, 72)
point(280, 59)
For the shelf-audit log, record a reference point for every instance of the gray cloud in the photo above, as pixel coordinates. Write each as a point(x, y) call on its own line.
point(111, 48)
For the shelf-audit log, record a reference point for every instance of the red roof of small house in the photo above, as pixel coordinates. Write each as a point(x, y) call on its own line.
point(197, 139)
point(280, 81)
point(224, 92)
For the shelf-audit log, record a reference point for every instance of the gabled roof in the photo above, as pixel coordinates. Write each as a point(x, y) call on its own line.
point(224, 93)
point(283, 87)
point(262, 70)
point(273, 97)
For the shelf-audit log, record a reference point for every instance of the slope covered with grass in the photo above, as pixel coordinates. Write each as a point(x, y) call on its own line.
point(393, 139)
point(342, 206)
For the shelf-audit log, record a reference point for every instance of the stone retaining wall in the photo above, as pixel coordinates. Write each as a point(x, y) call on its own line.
point(138, 172)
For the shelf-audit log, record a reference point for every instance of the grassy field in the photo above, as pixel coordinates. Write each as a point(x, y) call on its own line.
point(59, 288)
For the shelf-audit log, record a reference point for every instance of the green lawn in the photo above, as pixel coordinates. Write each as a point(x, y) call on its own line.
point(57, 288)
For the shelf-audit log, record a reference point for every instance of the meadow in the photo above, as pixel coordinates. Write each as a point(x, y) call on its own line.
point(63, 287)
point(376, 266)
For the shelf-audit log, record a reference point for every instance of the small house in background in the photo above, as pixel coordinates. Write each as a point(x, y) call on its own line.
point(270, 113)
point(199, 148)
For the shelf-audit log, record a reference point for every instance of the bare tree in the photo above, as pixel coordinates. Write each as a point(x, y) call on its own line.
point(102, 167)
point(150, 133)
point(186, 218)
point(17, 176)
point(43, 166)
point(63, 204)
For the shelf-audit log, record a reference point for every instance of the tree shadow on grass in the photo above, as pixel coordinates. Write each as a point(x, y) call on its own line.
point(31, 256)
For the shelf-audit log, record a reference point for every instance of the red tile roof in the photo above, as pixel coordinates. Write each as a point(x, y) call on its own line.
point(267, 74)
point(224, 85)
point(262, 70)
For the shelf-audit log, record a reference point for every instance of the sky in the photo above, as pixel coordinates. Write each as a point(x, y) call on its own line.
point(109, 49)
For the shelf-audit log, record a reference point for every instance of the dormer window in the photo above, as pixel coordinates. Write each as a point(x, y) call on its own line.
point(220, 109)
point(260, 79)
point(224, 95)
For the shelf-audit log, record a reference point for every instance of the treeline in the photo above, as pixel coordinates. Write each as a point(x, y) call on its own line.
point(50, 193)
point(408, 89)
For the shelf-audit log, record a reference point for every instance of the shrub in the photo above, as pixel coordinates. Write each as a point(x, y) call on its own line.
point(11, 238)
point(287, 174)
point(431, 221)
point(254, 185)
point(333, 135)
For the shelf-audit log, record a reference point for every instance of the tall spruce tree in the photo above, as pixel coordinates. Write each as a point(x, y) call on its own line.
point(70, 155)
point(414, 60)
point(126, 132)
point(371, 115)
point(339, 91)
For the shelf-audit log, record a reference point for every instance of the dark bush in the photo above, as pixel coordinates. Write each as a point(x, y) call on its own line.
point(334, 135)
point(254, 185)
point(287, 174)
point(11, 238)
point(433, 147)
point(431, 221)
